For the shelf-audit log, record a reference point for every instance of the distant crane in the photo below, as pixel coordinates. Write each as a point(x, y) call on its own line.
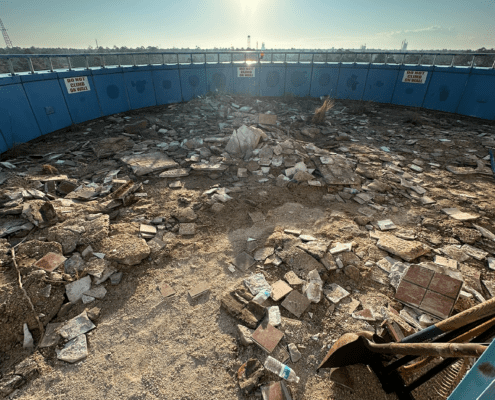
point(8, 42)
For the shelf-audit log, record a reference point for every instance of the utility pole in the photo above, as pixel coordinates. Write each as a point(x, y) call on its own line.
point(96, 40)
point(8, 42)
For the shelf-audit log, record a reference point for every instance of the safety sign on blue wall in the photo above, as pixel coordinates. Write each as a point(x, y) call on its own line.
point(245, 72)
point(77, 84)
point(415, 76)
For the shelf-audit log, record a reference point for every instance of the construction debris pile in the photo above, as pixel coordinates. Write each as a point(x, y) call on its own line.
point(405, 236)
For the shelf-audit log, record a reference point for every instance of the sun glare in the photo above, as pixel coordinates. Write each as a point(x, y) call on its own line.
point(249, 5)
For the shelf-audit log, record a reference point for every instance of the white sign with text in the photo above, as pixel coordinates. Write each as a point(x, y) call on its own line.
point(77, 84)
point(245, 72)
point(415, 76)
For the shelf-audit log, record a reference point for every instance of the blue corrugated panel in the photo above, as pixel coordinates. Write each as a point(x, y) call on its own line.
point(83, 106)
point(446, 87)
point(478, 99)
point(48, 104)
point(140, 87)
point(246, 85)
point(6, 79)
point(325, 79)
point(193, 81)
point(219, 78)
point(272, 80)
point(111, 90)
point(38, 76)
point(411, 94)
point(17, 121)
point(298, 80)
point(380, 83)
point(478, 379)
point(352, 81)
point(167, 84)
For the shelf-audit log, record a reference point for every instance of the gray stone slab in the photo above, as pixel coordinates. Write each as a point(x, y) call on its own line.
point(76, 289)
point(75, 350)
point(76, 326)
point(51, 337)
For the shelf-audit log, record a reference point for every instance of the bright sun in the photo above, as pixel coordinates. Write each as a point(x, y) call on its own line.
point(249, 5)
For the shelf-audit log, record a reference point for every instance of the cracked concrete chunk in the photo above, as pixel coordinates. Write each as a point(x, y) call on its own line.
point(408, 250)
point(77, 231)
point(75, 350)
point(125, 249)
point(51, 337)
point(459, 215)
point(76, 326)
point(147, 163)
point(76, 289)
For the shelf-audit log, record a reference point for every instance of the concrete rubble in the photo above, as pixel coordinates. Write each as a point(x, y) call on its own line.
point(401, 210)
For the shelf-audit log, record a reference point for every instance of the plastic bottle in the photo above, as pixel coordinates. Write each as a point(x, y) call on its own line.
point(281, 370)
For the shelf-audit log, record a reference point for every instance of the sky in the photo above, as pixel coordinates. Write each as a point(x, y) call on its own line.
point(312, 24)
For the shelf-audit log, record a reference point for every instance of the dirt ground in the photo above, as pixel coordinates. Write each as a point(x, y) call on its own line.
point(147, 346)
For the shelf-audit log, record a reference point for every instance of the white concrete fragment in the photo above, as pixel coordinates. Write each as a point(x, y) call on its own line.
point(76, 289)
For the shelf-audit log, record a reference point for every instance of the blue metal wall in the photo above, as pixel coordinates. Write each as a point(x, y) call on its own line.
point(193, 81)
point(82, 106)
point(36, 104)
point(111, 90)
point(410, 94)
point(219, 78)
point(478, 100)
point(325, 79)
point(380, 83)
point(248, 86)
point(167, 84)
point(352, 80)
point(139, 85)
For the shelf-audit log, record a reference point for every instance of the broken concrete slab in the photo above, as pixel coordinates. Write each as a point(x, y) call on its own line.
point(199, 290)
point(51, 336)
point(76, 326)
point(245, 335)
point(243, 140)
point(335, 293)
point(146, 163)
point(98, 292)
point(174, 173)
point(257, 283)
point(406, 249)
point(76, 289)
point(459, 215)
point(280, 289)
point(474, 252)
point(75, 350)
point(125, 249)
point(339, 171)
point(263, 253)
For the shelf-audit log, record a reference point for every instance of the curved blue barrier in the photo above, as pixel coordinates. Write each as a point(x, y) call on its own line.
point(380, 83)
point(43, 102)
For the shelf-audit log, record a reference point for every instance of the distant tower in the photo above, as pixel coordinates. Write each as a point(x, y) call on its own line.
point(8, 42)
point(262, 45)
point(404, 45)
point(256, 45)
point(249, 42)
